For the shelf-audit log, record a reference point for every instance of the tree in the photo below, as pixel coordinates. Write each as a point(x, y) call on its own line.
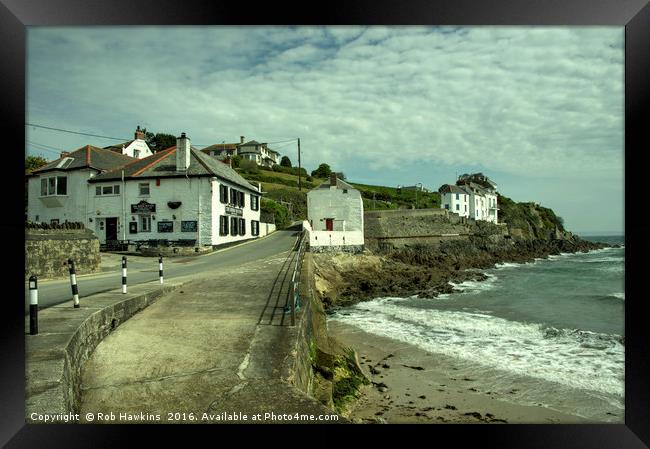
point(236, 161)
point(159, 141)
point(34, 162)
point(285, 161)
point(249, 166)
point(341, 175)
point(323, 171)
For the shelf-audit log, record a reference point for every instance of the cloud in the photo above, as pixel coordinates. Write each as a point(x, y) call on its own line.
point(532, 101)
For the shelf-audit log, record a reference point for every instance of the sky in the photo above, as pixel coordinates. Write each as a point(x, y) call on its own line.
point(539, 110)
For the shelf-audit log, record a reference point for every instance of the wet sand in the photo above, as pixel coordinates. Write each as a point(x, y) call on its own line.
point(410, 385)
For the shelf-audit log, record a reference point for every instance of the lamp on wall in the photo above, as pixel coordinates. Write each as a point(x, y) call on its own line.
point(90, 219)
point(132, 218)
point(153, 217)
point(173, 217)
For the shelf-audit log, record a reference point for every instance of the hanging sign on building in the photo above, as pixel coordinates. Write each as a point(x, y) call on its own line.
point(143, 206)
point(234, 211)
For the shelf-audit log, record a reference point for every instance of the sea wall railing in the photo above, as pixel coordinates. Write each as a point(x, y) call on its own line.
point(295, 278)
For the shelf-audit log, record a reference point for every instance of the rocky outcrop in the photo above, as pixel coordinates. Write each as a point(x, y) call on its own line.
point(427, 270)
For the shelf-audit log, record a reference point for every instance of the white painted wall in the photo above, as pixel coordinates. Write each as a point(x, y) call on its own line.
point(332, 238)
point(70, 207)
point(266, 229)
point(345, 208)
point(219, 209)
point(460, 206)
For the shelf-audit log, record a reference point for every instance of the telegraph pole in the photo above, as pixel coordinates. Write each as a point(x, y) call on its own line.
point(299, 167)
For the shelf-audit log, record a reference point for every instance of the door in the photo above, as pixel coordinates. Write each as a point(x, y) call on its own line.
point(111, 229)
point(329, 224)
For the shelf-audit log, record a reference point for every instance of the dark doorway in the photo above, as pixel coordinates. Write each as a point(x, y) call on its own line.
point(111, 229)
point(329, 224)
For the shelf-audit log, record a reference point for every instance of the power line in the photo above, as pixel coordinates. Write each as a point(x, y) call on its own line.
point(74, 132)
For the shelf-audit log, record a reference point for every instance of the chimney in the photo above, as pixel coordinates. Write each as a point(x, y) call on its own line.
point(139, 135)
point(182, 152)
point(241, 139)
point(332, 179)
point(65, 153)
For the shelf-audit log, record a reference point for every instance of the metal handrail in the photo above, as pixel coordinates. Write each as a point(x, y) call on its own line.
point(295, 283)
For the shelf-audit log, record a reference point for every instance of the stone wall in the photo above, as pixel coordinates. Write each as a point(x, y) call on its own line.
point(398, 228)
point(47, 252)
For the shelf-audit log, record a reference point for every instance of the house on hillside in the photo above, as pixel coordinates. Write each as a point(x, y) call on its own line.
point(335, 217)
point(251, 150)
point(136, 148)
point(176, 195)
point(58, 191)
point(474, 196)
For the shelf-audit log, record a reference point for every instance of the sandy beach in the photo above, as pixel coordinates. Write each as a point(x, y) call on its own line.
point(410, 385)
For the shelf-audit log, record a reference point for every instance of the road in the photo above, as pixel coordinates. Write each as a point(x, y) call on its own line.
point(142, 270)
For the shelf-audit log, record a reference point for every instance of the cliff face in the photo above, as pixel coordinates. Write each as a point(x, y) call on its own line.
point(426, 269)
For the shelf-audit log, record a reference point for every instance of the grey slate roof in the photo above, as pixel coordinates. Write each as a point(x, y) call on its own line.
point(339, 185)
point(250, 143)
point(163, 165)
point(451, 188)
point(119, 146)
point(88, 157)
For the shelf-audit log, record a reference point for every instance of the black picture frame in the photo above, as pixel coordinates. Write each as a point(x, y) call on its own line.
point(189, 226)
point(165, 226)
point(16, 15)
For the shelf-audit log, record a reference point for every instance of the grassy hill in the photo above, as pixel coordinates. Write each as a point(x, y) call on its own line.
point(283, 201)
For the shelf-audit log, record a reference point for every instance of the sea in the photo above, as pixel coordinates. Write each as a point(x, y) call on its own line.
point(551, 332)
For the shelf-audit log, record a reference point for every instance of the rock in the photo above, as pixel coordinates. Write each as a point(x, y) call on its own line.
point(476, 415)
point(385, 365)
point(383, 389)
point(422, 396)
point(450, 407)
point(374, 370)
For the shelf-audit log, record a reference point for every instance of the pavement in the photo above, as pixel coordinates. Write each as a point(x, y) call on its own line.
point(216, 350)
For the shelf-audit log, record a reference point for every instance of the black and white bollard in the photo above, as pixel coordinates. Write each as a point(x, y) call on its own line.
point(123, 274)
point(33, 305)
point(73, 283)
point(160, 269)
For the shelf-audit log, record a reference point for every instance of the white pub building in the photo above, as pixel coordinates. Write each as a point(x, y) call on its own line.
point(177, 195)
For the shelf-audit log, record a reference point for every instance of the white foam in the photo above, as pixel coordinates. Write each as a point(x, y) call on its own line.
point(567, 357)
point(619, 295)
point(475, 287)
point(508, 265)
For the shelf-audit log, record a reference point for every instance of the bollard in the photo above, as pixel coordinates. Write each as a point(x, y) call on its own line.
point(33, 305)
point(123, 274)
point(73, 283)
point(160, 268)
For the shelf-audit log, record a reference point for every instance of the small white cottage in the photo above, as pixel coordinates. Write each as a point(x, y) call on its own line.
point(335, 217)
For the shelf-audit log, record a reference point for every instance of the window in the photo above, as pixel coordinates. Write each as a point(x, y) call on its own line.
point(223, 225)
point(223, 194)
point(255, 205)
point(61, 185)
point(345, 190)
point(242, 226)
point(457, 206)
point(54, 221)
point(447, 206)
point(136, 153)
point(144, 189)
point(255, 227)
point(54, 185)
point(241, 199)
point(457, 196)
point(233, 196)
point(107, 190)
point(465, 207)
point(233, 226)
point(145, 223)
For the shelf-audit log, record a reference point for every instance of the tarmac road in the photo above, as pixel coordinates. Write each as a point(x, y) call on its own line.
point(145, 269)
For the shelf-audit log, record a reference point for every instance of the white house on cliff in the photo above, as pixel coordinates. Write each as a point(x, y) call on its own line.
point(474, 196)
point(335, 217)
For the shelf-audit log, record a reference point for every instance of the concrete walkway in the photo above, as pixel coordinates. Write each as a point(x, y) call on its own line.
point(213, 351)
